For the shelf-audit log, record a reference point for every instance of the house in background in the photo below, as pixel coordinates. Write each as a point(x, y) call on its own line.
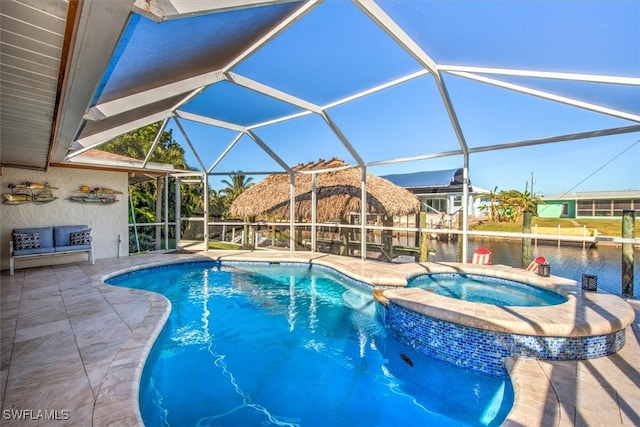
point(439, 191)
point(592, 204)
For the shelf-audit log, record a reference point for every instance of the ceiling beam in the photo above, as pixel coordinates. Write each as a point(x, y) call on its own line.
point(193, 149)
point(279, 28)
point(272, 92)
point(224, 153)
point(550, 96)
point(510, 145)
point(280, 119)
point(99, 138)
point(389, 26)
point(591, 78)
point(155, 142)
point(208, 121)
point(268, 150)
point(375, 89)
point(345, 142)
point(131, 102)
point(560, 138)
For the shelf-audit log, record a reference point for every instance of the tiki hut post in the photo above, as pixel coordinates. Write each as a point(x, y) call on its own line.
point(299, 232)
point(363, 214)
point(273, 230)
point(424, 254)
point(253, 233)
point(245, 233)
point(344, 237)
point(387, 238)
point(314, 213)
point(292, 211)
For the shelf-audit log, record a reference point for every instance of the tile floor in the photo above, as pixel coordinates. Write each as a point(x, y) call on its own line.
point(72, 350)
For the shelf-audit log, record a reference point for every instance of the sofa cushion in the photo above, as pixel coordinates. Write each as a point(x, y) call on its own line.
point(62, 234)
point(71, 248)
point(32, 251)
point(44, 233)
point(80, 237)
point(26, 241)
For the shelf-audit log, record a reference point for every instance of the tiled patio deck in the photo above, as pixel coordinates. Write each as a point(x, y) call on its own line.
point(75, 348)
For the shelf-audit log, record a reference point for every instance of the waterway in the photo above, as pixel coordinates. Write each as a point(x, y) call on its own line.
point(569, 260)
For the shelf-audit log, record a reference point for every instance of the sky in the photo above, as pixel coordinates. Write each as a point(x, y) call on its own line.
point(324, 63)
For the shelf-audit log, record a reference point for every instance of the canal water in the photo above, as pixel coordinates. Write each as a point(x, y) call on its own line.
point(569, 260)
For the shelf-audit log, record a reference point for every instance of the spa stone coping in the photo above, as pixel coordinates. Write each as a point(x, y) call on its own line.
point(583, 314)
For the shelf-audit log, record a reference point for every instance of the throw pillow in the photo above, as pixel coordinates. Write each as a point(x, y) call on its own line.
point(26, 241)
point(80, 237)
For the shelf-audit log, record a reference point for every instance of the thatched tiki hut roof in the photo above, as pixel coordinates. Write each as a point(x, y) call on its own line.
point(338, 194)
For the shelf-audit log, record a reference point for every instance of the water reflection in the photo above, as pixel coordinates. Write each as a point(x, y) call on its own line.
point(566, 261)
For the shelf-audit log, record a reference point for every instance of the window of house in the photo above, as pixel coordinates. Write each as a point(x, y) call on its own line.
point(621, 205)
point(602, 207)
point(585, 208)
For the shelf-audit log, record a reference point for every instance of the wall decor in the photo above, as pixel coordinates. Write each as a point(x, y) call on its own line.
point(29, 192)
point(97, 195)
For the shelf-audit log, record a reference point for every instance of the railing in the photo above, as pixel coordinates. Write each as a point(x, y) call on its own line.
point(384, 242)
point(150, 236)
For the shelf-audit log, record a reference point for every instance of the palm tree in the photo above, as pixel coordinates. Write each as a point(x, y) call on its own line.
point(239, 183)
point(217, 204)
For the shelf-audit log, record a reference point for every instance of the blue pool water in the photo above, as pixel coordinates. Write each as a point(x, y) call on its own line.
point(487, 290)
point(288, 345)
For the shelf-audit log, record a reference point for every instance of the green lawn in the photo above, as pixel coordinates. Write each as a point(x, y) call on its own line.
point(224, 245)
point(606, 227)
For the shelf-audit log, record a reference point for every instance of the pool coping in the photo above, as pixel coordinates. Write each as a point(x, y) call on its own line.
point(535, 399)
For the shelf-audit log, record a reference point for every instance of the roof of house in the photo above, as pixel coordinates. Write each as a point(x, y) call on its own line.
point(430, 182)
point(591, 195)
point(427, 179)
point(98, 159)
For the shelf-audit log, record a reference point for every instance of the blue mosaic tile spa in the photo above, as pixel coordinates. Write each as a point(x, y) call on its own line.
point(484, 350)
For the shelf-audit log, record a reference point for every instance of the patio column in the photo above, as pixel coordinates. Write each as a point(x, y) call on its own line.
point(292, 211)
point(314, 212)
point(363, 214)
point(465, 208)
point(158, 213)
point(166, 212)
point(178, 213)
point(206, 210)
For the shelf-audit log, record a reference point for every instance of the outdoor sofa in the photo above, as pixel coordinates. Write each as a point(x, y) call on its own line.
point(38, 242)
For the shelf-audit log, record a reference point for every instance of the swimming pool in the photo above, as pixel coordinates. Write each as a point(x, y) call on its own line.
point(251, 344)
point(487, 290)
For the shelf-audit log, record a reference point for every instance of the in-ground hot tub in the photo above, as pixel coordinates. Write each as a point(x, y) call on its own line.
point(481, 336)
point(487, 290)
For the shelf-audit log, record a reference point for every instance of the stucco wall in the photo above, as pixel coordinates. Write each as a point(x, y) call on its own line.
point(553, 209)
point(108, 222)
